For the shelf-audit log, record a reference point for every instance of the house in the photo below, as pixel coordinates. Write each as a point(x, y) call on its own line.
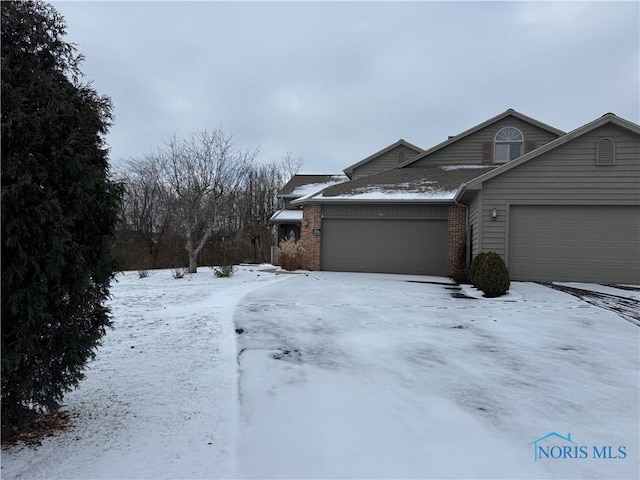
point(288, 218)
point(556, 206)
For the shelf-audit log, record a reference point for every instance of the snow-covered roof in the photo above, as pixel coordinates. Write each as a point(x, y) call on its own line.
point(304, 185)
point(425, 184)
point(286, 216)
point(383, 194)
point(462, 167)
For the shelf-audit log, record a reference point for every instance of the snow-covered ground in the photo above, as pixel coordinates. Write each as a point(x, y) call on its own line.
point(345, 375)
point(160, 400)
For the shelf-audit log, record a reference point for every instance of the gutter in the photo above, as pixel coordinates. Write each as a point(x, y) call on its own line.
point(323, 200)
point(461, 189)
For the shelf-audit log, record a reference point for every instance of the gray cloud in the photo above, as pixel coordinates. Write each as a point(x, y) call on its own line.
point(334, 82)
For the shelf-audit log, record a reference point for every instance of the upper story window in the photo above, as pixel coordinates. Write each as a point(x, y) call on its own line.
point(605, 152)
point(509, 143)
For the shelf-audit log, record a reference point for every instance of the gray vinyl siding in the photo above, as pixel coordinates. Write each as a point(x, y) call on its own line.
point(382, 163)
point(474, 224)
point(566, 175)
point(468, 150)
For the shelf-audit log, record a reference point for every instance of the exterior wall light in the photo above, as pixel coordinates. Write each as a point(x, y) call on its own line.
point(494, 213)
point(305, 223)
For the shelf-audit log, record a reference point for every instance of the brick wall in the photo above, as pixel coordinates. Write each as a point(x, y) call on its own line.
point(311, 219)
point(456, 238)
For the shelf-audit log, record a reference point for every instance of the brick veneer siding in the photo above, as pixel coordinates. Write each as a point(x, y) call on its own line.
point(456, 238)
point(311, 218)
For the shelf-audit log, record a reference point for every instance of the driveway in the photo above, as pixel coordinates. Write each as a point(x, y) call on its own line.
point(621, 299)
point(384, 376)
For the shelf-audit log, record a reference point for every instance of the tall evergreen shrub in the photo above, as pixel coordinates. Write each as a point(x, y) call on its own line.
point(59, 209)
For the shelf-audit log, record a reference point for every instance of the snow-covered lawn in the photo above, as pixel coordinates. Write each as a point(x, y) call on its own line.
point(339, 375)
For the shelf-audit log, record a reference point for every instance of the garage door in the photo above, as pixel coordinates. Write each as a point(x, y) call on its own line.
point(575, 243)
point(384, 245)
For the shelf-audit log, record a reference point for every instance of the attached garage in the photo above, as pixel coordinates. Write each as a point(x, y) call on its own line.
point(587, 243)
point(408, 239)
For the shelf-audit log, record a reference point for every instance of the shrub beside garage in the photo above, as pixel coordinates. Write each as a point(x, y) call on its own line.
point(489, 273)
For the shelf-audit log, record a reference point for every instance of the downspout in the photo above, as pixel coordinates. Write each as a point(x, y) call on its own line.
point(467, 228)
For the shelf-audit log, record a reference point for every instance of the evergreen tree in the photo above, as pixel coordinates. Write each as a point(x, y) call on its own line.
point(59, 210)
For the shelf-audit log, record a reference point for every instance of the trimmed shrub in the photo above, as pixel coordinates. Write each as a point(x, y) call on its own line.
point(178, 273)
point(475, 267)
point(290, 254)
point(493, 276)
point(224, 271)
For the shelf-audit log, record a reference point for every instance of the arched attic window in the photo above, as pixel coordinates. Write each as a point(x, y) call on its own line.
point(508, 144)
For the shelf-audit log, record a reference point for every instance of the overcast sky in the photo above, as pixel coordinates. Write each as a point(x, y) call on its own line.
point(334, 82)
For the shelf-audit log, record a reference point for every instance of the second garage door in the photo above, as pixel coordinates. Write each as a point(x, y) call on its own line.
point(390, 245)
point(594, 243)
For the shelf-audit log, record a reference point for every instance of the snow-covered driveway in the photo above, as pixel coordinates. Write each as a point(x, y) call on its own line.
point(344, 375)
point(374, 376)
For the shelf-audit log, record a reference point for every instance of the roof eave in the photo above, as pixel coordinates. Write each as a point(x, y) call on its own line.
point(288, 222)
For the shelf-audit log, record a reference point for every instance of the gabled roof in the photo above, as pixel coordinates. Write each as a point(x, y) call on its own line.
point(480, 126)
point(302, 185)
point(606, 118)
point(408, 185)
point(401, 142)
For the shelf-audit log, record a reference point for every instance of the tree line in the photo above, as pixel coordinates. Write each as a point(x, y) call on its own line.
point(198, 200)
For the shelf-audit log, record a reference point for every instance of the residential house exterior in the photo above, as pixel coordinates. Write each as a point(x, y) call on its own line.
point(288, 219)
point(556, 206)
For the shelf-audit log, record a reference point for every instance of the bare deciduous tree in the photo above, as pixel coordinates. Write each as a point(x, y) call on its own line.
point(201, 172)
point(199, 192)
point(287, 167)
point(144, 205)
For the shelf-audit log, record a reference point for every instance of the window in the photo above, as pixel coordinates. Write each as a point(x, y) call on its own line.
point(605, 152)
point(508, 144)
